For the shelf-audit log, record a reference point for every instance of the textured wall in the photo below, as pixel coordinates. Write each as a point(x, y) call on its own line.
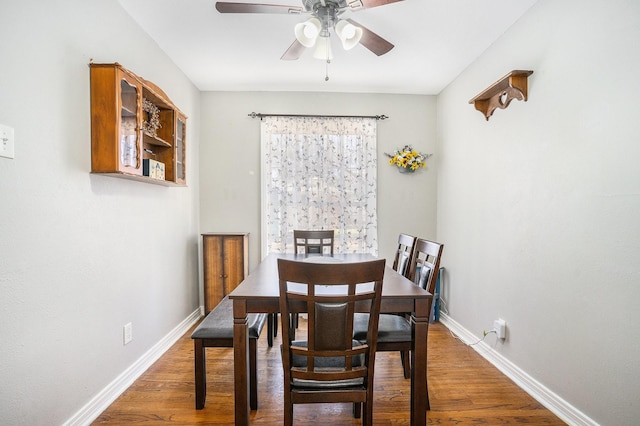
point(538, 207)
point(230, 159)
point(81, 255)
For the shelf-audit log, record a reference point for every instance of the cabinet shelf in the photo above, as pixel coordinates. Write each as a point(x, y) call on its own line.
point(500, 94)
point(128, 113)
point(154, 140)
point(138, 178)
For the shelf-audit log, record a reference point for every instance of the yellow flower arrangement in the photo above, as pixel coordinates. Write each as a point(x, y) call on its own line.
point(408, 158)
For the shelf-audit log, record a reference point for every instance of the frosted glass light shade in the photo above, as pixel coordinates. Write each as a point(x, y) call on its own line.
point(307, 31)
point(348, 34)
point(323, 49)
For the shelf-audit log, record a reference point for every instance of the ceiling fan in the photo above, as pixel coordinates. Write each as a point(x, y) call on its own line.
point(315, 31)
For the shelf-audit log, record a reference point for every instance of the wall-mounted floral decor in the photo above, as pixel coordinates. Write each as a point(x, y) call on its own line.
point(407, 159)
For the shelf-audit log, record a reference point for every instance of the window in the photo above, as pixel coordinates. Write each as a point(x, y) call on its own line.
point(319, 173)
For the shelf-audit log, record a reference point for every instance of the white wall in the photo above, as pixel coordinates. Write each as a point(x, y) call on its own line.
point(81, 254)
point(230, 159)
point(539, 207)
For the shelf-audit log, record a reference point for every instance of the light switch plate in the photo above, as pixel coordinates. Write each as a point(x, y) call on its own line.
point(6, 141)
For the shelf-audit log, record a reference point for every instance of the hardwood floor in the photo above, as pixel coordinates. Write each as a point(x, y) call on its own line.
point(464, 389)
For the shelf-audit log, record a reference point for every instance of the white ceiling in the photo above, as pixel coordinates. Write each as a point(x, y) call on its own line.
point(435, 40)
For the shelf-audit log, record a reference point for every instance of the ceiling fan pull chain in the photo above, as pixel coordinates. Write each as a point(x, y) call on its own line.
point(326, 73)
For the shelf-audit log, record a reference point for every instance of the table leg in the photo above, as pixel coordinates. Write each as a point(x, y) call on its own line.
point(241, 362)
point(200, 373)
point(419, 394)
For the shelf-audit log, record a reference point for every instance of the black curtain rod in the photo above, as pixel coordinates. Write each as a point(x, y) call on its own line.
point(260, 115)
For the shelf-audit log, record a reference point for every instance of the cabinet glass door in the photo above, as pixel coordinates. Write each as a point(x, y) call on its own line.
point(129, 150)
point(180, 151)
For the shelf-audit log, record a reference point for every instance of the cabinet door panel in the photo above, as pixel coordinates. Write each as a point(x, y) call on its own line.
point(213, 271)
point(233, 262)
point(130, 144)
point(180, 156)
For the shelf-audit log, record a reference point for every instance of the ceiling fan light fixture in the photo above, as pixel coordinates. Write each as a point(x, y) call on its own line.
point(323, 49)
point(348, 34)
point(307, 32)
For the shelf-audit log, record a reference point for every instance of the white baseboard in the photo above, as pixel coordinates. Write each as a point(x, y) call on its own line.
point(537, 390)
point(106, 396)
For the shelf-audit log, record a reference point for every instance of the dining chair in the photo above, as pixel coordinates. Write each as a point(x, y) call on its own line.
point(305, 242)
point(329, 366)
point(403, 255)
point(312, 242)
point(308, 242)
point(394, 331)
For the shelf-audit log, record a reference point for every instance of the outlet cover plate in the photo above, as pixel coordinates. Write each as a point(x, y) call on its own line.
point(128, 333)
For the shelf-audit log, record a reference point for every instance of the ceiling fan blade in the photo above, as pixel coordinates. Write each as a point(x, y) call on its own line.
point(368, 4)
point(294, 51)
point(373, 41)
point(228, 7)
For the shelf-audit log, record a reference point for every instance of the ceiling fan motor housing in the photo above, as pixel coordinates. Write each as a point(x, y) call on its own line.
point(311, 5)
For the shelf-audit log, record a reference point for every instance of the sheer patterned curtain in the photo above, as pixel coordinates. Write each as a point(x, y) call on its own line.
point(319, 173)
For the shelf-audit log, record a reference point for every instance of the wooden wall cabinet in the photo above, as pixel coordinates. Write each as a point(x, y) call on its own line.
point(226, 264)
point(133, 120)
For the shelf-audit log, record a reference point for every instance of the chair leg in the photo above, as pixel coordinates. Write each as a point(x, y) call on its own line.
point(271, 322)
point(253, 374)
point(272, 325)
point(357, 410)
point(367, 415)
point(200, 374)
point(406, 364)
point(275, 325)
point(288, 411)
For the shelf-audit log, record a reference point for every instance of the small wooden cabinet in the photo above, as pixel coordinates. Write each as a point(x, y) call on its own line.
point(136, 131)
point(226, 264)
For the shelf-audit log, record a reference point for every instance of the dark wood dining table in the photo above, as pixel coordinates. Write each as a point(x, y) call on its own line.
point(259, 292)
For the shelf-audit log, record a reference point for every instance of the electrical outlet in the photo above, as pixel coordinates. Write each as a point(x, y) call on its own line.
point(6, 141)
point(500, 327)
point(128, 333)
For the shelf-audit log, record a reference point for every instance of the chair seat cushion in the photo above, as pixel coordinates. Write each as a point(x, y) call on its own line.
point(391, 328)
point(218, 324)
point(325, 364)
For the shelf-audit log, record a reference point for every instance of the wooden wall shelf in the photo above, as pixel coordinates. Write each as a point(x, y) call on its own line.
point(502, 92)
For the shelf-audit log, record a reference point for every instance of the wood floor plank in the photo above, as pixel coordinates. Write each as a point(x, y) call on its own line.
point(464, 389)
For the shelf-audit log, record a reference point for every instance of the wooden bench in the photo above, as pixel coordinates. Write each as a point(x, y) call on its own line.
point(216, 331)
